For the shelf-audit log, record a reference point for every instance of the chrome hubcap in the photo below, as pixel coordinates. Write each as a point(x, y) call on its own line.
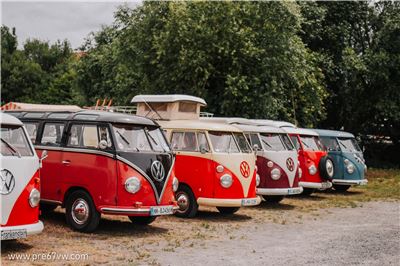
point(183, 202)
point(80, 211)
point(329, 168)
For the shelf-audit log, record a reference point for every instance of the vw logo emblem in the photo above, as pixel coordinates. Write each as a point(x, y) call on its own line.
point(7, 182)
point(290, 164)
point(245, 169)
point(157, 171)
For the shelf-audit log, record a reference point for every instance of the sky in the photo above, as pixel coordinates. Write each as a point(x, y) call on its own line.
point(58, 20)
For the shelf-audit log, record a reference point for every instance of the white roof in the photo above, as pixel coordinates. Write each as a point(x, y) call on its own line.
point(260, 129)
point(39, 107)
point(229, 120)
point(273, 123)
point(247, 125)
point(167, 98)
point(300, 131)
point(9, 119)
point(197, 125)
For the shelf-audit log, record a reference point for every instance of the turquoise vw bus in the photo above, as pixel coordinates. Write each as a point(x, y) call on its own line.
point(349, 163)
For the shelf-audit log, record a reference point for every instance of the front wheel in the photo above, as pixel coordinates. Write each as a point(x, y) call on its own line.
point(142, 220)
point(341, 188)
point(186, 202)
point(81, 214)
point(308, 191)
point(273, 199)
point(227, 210)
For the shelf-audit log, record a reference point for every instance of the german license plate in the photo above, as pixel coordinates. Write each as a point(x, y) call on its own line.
point(13, 234)
point(293, 191)
point(161, 210)
point(249, 202)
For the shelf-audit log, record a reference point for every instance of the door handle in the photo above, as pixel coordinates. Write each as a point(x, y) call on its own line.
point(66, 162)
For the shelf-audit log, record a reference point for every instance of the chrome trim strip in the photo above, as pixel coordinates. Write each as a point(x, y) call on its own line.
point(69, 149)
point(320, 186)
point(134, 166)
point(55, 202)
point(126, 211)
point(279, 191)
point(350, 182)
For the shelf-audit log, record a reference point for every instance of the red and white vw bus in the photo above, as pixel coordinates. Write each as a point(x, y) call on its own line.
point(214, 162)
point(20, 182)
point(103, 163)
point(317, 167)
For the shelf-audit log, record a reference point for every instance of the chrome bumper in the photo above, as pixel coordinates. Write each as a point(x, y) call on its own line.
point(279, 191)
point(360, 182)
point(320, 186)
point(214, 202)
point(132, 211)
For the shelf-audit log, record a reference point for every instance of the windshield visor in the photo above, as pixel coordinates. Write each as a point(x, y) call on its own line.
point(132, 138)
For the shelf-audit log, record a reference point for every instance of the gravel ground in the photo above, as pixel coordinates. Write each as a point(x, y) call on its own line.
point(369, 235)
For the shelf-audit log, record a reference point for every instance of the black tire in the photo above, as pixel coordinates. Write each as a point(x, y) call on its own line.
point(323, 168)
point(273, 199)
point(46, 208)
point(189, 210)
point(142, 220)
point(341, 188)
point(308, 191)
point(93, 216)
point(228, 210)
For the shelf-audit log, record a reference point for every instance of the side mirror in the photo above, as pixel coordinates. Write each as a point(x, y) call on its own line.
point(203, 149)
point(103, 144)
point(256, 147)
point(44, 155)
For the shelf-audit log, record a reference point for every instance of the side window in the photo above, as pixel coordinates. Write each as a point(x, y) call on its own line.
point(184, 141)
point(295, 142)
point(88, 136)
point(203, 143)
point(32, 128)
point(52, 134)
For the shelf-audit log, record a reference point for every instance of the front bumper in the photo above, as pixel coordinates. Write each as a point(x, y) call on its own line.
point(14, 232)
point(360, 182)
point(279, 191)
point(139, 211)
point(320, 186)
point(214, 202)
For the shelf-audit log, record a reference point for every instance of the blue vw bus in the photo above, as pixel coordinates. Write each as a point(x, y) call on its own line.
point(349, 163)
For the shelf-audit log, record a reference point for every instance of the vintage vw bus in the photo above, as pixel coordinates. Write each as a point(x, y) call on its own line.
point(103, 163)
point(20, 182)
point(277, 161)
point(348, 158)
point(214, 162)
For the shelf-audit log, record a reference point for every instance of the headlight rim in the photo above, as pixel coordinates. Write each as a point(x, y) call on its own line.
point(312, 169)
point(32, 197)
point(136, 179)
point(277, 172)
point(175, 184)
point(221, 181)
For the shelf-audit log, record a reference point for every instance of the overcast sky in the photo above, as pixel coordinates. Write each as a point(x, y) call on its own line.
point(56, 20)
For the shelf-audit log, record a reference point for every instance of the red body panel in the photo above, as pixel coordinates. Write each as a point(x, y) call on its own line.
point(22, 213)
point(265, 175)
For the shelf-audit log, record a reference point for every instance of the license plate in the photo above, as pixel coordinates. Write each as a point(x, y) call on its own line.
point(249, 202)
point(292, 191)
point(161, 210)
point(13, 234)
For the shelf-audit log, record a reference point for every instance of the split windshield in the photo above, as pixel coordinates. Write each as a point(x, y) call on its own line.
point(132, 138)
point(14, 141)
point(330, 143)
point(276, 142)
point(311, 143)
point(349, 145)
point(228, 142)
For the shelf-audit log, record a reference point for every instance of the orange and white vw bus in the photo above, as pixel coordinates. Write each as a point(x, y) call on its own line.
point(20, 182)
point(214, 162)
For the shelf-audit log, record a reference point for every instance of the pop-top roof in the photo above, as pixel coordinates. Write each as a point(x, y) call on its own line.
point(333, 133)
point(167, 98)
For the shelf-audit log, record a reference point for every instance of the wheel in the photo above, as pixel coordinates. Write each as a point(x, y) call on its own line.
point(308, 191)
point(81, 213)
point(273, 199)
point(142, 220)
point(341, 188)
point(186, 202)
point(228, 210)
point(45, 207)
point(327, 168)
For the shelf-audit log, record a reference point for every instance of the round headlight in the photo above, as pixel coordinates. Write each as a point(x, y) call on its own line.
point(270, 164)
point(258, 180)
point(300, 172)
point(275, 174)
point(175, 184)
point(329, 168)
point(34, 198)
point(350, 168)
point(220, 169)
point(226, 181)
point(132, 184)
point(312, 170)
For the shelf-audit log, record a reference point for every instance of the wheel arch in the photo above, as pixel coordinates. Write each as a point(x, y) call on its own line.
point(71, 190)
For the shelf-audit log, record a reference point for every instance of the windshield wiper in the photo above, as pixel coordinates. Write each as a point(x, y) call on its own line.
point(306, 144)
point(11, 147)
point(152, 139)
point(266, 143)
point(122, 137)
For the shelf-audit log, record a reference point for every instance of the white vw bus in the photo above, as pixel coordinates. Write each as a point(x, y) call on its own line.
point(20, 182)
